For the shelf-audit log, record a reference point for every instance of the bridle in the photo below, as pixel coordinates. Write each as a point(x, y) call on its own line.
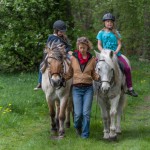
point(111, 82)
point(60, 74)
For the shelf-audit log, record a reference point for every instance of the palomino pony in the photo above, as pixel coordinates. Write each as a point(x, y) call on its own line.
point(111, 92)
point(56, 90)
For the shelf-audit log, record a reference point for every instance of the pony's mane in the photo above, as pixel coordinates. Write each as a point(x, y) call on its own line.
point(56, 50)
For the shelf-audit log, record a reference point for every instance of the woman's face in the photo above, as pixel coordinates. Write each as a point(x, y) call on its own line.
point(83, 48)
point(60, 33)
point(109, 24)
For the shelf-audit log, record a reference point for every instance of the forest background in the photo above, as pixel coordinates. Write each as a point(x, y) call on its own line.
point(24, 29)
point(26, 24)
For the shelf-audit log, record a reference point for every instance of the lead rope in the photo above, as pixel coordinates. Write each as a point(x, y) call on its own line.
point(96, 105)
point(97, 101)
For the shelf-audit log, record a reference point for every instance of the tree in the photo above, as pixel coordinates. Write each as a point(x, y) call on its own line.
point(25, 26)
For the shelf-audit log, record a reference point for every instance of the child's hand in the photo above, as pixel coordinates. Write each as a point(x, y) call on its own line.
point(115, 52)
point(70, 52)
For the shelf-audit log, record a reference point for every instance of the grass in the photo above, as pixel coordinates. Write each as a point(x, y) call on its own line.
point(25, 124)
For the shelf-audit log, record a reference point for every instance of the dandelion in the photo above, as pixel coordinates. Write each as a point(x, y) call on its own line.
point(7, 110)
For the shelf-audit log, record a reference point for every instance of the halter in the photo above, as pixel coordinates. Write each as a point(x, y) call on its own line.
point(60, 74)
point(107, 81)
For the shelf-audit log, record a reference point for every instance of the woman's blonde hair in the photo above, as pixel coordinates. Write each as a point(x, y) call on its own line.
point(85, 41)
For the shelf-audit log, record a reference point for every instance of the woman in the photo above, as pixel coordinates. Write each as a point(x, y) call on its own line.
point(82, 69)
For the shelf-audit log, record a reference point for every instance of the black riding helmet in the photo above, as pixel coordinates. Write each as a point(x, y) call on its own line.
point(108, 16)
point(60, 25)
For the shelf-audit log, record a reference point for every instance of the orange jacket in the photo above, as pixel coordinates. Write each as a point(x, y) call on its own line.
point(86, 76)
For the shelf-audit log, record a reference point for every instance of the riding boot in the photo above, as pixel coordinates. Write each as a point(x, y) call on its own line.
point(38, 87)
point(132, 93)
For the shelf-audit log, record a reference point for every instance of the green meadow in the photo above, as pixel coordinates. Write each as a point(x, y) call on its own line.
point(25, 122)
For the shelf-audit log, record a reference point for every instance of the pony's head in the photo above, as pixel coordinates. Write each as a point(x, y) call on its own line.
point(106, 68)
point(55, 63)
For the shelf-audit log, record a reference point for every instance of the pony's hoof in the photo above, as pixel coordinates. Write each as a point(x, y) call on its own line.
point(119, 132)
point(114, 138)
point(61, 137)
point(67, 124)
point(56, 137)
point(61, 134)
point(106, 137)
point(54, 132)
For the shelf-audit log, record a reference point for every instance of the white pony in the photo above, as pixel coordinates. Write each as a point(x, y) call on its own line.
point(111, 92)
point(57, 92)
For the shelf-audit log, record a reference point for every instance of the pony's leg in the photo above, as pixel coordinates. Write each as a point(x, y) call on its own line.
point(57, 105)
point(119, 113)
point(52, 115)
point(105, 117)
point(113, 111)
point(63, 105)
point(68, 111)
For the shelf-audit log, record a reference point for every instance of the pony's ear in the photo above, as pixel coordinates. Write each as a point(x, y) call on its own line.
point(97, 54)
point(111, 54)
point(49, 44)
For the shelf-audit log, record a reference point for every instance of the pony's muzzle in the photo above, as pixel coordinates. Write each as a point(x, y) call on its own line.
point(55, 81)
point(105, 88)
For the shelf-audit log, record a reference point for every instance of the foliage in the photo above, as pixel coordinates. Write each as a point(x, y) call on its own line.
point(25, 25)
point(132, 20)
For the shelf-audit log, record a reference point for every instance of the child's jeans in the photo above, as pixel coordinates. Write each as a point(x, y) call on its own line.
point(127, 71)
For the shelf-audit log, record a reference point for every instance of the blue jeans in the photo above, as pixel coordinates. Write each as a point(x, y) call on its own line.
point(82, 100)
point(40, 77)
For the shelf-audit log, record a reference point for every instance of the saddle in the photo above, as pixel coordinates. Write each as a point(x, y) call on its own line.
point(121, 66)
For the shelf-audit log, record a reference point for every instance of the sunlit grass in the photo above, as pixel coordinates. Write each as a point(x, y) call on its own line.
point(25, 122)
